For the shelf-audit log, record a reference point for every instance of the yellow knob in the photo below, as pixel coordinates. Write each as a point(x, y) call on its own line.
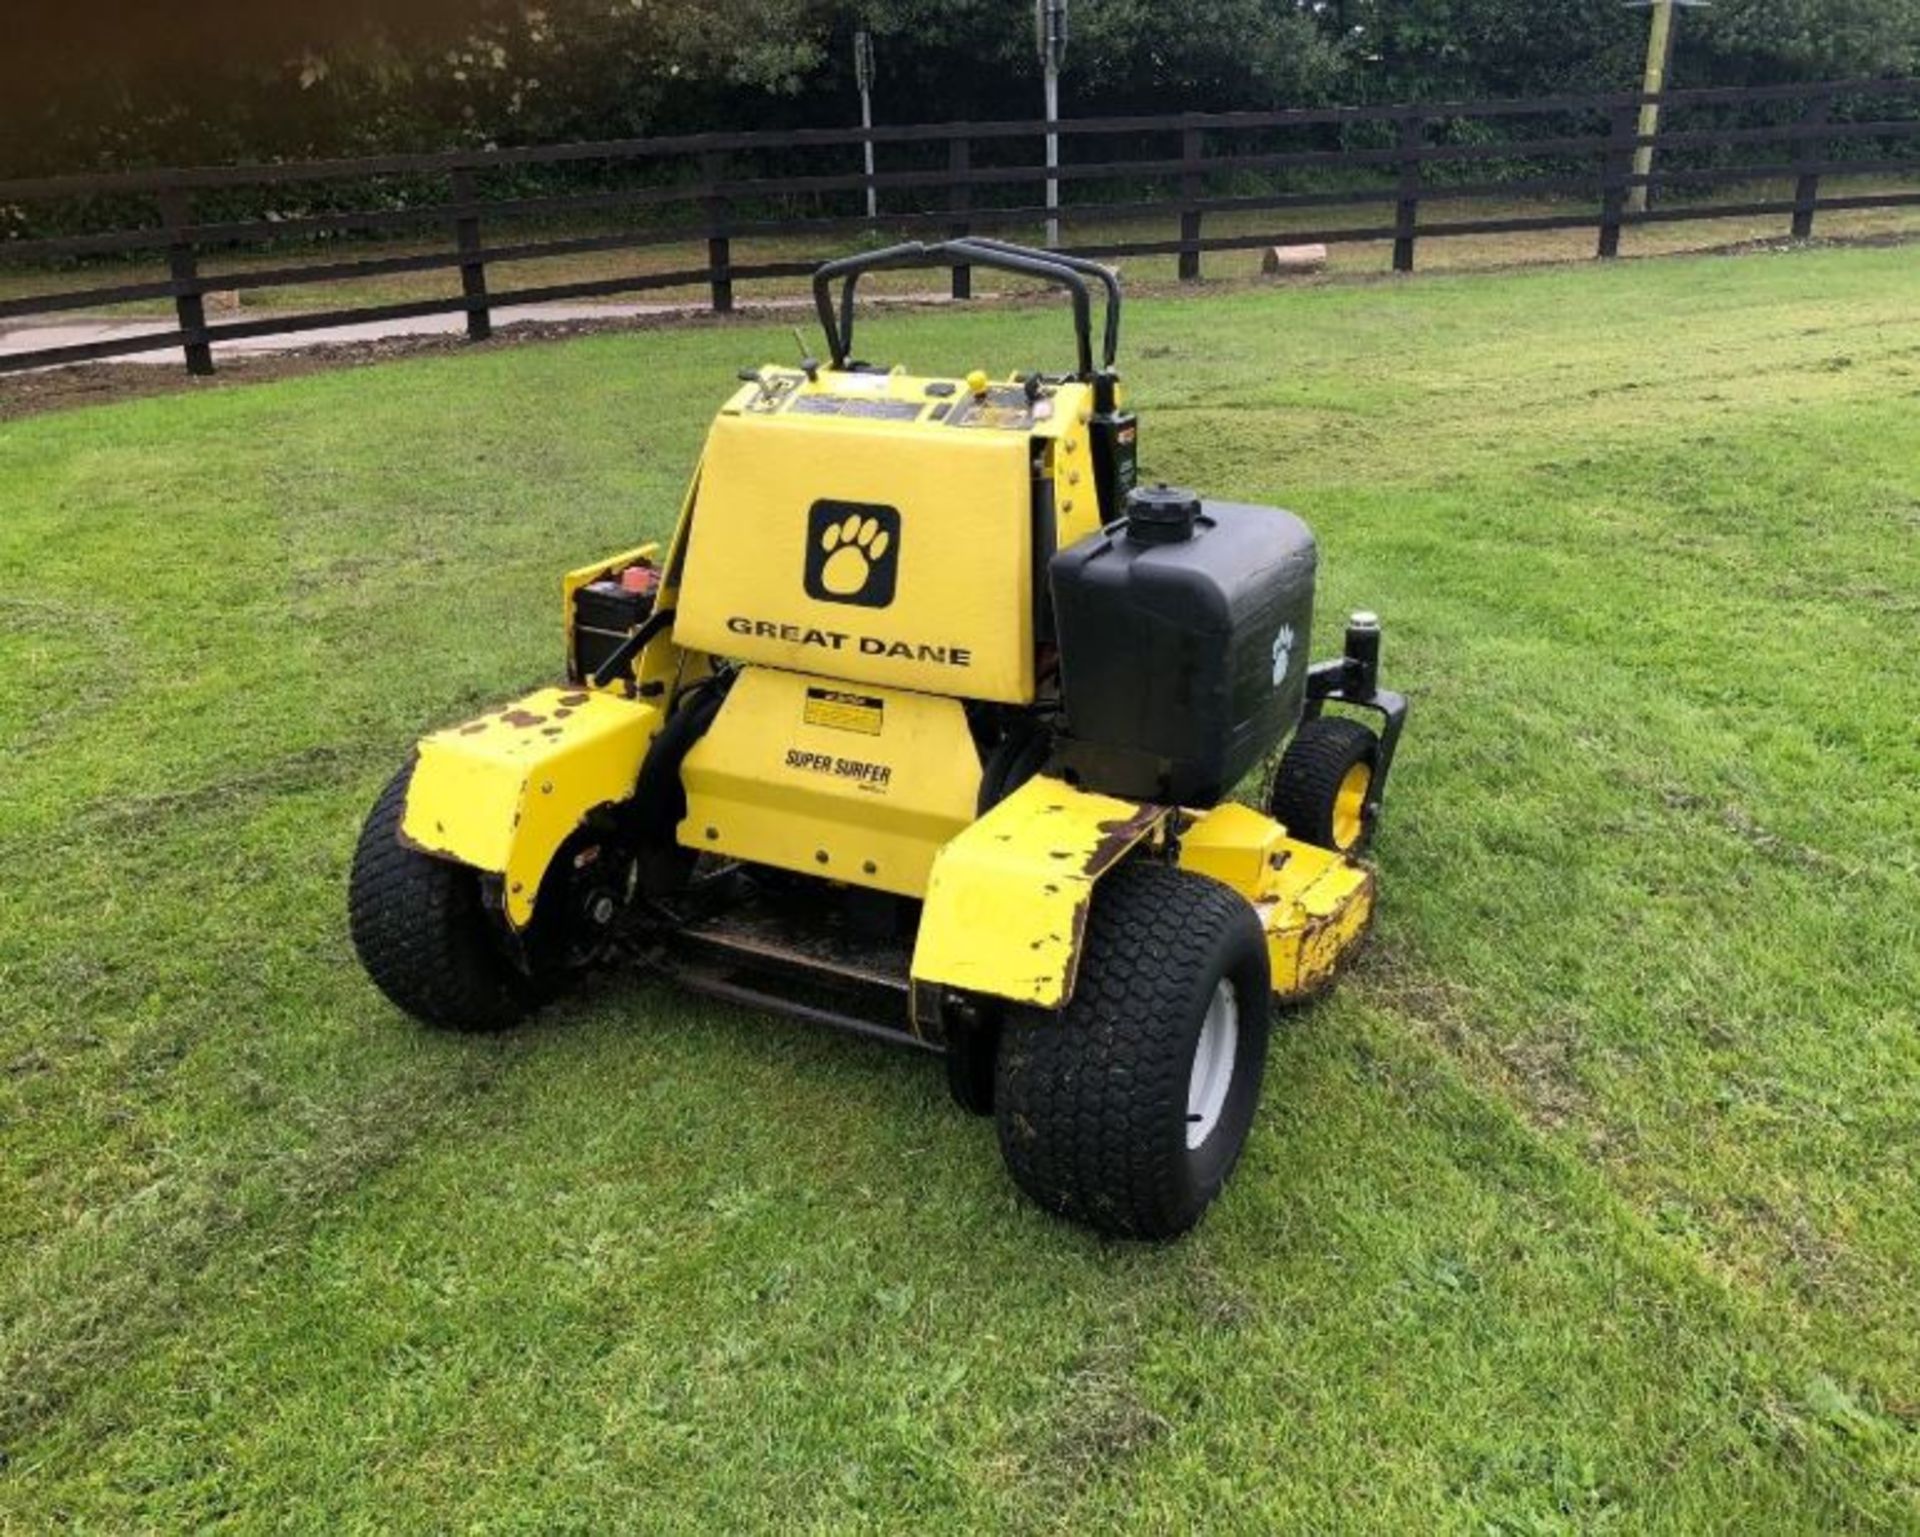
point(977, 381)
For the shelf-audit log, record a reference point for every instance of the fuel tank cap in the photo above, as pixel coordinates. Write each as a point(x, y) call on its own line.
point(1161, 514)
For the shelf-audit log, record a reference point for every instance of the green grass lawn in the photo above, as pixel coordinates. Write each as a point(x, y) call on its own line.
point(1588, 1202)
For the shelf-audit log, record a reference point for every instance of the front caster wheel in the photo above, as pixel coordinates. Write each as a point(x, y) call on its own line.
point(1323, 791)
point(1127, 1109)
point(424, 934)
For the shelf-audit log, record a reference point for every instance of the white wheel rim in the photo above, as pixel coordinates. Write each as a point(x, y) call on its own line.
point(1214, 1055)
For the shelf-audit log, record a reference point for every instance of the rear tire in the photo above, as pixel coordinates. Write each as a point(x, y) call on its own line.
point(1098, 1104)
point(1323, 791)
point(423, 932)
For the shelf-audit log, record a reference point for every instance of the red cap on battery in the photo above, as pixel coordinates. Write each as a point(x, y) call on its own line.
point(639, 578)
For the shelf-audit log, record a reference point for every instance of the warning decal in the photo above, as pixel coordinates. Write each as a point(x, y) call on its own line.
point(844, 712)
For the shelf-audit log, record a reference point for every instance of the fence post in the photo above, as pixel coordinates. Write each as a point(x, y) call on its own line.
point(176, 213)
point(719, 247)
point(1811, 150)
point(1192, 148)
point(1406, 212)
point(473, 274)
point(1621, 132)
point(960, 203)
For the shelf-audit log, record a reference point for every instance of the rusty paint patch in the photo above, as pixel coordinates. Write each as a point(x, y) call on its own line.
point(1072, 969)
point(473, 728)
point(1315, 975)
point(574, 701)
point(525, 719)
point(562, 713)
point(1312, 977)
point(1117, 835)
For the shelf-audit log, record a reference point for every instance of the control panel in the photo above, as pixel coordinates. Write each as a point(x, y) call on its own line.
point(1017, 405)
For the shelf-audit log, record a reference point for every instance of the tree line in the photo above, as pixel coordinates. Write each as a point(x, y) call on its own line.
point(105, 84)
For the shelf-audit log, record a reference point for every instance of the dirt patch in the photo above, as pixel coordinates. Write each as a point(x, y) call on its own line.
point(1814, 1261)
point(125, 819)
point(1539, 1073)
point(1545, 1068)
point(1216, 1301)
point(1741, 823)
point(1099, 1419)
point(48, 617)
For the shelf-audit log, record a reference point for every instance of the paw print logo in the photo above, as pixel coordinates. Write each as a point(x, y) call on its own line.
point(853, 552)
point(1282, 653)
point(852, 547)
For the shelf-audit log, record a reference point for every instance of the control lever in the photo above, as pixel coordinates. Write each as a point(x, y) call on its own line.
point(755, 377)
point(809, 364)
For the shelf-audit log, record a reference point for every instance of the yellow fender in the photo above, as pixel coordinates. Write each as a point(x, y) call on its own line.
point(1006, 904)
point(501, 793)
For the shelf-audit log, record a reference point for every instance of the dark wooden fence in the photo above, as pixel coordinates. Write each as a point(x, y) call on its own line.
point(1398, 164)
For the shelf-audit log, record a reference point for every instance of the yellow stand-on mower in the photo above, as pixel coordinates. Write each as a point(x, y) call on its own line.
point(923, 725)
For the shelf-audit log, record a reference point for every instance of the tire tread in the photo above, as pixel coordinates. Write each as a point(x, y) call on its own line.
point(420, 929)
point(1086, 1099)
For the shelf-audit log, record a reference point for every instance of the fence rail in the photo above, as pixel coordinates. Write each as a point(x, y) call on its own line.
point(708, 200)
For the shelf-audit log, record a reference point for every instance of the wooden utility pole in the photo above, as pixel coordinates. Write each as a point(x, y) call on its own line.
point(1652, 83)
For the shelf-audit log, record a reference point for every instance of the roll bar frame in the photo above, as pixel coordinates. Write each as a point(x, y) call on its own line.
point(1067, 272)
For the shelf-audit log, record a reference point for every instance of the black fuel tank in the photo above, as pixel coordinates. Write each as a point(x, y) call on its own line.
point(1183, 634)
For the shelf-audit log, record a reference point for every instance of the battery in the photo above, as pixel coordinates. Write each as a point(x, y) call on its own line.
point(605, 613)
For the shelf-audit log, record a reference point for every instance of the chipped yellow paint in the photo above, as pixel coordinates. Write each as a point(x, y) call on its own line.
point(1315, 915)
point(1007, 902)
point(502, 792)
point(1313, 904)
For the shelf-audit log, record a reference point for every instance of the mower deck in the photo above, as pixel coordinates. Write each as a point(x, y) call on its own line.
point(782, 950)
